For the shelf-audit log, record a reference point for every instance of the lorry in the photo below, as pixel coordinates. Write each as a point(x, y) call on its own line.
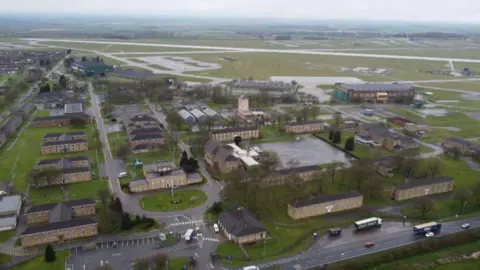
point(368, 223)
point(425, 228)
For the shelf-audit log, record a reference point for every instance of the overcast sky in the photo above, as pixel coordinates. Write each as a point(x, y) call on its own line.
point(405, 10)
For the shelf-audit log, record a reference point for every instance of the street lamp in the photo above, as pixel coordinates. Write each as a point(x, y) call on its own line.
point(463, 208)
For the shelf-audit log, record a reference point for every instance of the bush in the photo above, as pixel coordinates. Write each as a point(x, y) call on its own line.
point(330, 135)
point(50, 254)
point(337, 137)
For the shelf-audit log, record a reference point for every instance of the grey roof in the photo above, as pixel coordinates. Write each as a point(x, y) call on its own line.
point(296, 170)
point(150, 130)
point(59, 117)
point(138, 182)
point(64, 136)
point(61, 163)
point(185, 114)
point(224, 153)
point(211, 146)
point(240, 222)
point(146, 136)
point(133, 73)
point(50, 206)
point(237, 129)
point(266, 85)
point(60, 212)
point(197, 113)
point(210, 112)
point(63, 142)
point(377, 87)
point(73, 108)
point(325, 198)
point(59, 225)
point(8, 221)
point(425, 182)
point(10, 203)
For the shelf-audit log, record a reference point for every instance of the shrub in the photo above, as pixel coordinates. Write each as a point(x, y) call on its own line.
point(350, 144)
point(50, 254)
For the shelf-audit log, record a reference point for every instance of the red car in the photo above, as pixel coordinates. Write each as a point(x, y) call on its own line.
point(369, 244)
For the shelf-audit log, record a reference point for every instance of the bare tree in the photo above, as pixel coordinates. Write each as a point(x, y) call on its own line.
point(292, 163)
point(332, 170)
point(433, 167)
point(142, 264)
point(45, 177)
point(160, 260)
point(424, 205)
point(463, 195)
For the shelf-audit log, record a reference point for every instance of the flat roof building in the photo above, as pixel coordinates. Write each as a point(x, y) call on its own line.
point(255, 88)
point(375, 92)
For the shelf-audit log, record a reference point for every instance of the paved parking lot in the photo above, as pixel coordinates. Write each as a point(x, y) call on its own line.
point(318, 152)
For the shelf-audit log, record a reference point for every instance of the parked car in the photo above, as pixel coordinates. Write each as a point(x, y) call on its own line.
point(215, 228)
point(122, 174)
point(369, 244)
point(429, 234)
point(466, 226)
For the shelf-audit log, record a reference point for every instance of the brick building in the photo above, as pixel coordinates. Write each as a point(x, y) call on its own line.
point(57, 120)
point(419, 188)
point(72, 169)
point(160, 175)
point(59, 222)
point(229, 134)
point(144, 133)
point(305, 127)
point(241, 227)
point(375, 92)
point(325, 204)
point(54, 143)
point(384, 137)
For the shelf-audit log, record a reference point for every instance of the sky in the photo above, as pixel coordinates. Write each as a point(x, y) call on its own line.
point(393, 10)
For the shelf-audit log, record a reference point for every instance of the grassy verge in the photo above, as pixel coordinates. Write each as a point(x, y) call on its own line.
point(5, 235)
point(67, 192)
point(432, 259)
point(177, 263)
point(5, 258)
point(181, 199)
point(39, 263)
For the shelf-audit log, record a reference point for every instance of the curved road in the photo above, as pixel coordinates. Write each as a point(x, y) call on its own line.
point(130, 203)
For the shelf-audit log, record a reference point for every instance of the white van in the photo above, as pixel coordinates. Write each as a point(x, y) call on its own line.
point(251, 267)
point(215, 228)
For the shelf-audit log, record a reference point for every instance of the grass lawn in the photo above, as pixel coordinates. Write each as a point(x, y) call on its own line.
point(4, 258)
point(469, 86)
point(177, 263)
point(186, 78)
point(39, 263)
point(5, 235)
point(42, 113)
point(115, 139)
point(16, 163)
point(449, 95)
point(136, 60)
point(187, 198)
point(262, 65)
point(159, 67)
point(272, 132)
point(68, 192)
point(411, 262)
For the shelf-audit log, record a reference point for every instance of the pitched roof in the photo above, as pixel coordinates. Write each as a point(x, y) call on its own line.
point(267, 85)
point(63, 142)
point(60, 212)
point(240, 222)
point(10, 203)
point(211, 146)
point(59, 225)
point(50, 206)
point(325, 198)
point(237, 129)
point(425, 182)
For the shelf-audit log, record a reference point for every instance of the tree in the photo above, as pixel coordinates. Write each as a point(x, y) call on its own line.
point(50, 255)
point(142, 264)
point(433, 167)
point(337, 136)
point(330, 135)
point(123, 151)
point(425, 204)
point(350, 144)
point(126, 222)
point(237, 140)
point(455, 153)
point(45, 88)
point(191, 165)
point(332, 170)
point(84, 59)
point(45, 177)
point(62, 81)
point(78, 122)
point(184, 159)
point(69, 51)
point(160, 260)
point(463, 196)
point(476, 193)
point(104, 196)
point(174, 119)
point(217, 207)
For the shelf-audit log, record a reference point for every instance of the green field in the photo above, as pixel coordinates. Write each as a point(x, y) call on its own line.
point(39, 263)
point(468, 86)
point(16, 163)
point(433, 258)
point(456, 53)
point(187, 198)
point(263, 65)
point(463, 100)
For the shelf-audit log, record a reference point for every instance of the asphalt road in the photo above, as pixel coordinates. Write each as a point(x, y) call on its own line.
point(332, 250)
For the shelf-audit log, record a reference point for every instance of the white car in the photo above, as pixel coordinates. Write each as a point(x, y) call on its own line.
point(215, 228)
point(466, 226)
point(429, 234)
point(122, 174)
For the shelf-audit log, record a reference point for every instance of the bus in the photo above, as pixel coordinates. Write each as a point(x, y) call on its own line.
point(427, 227)
point(189, 235)
point(368, 223)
